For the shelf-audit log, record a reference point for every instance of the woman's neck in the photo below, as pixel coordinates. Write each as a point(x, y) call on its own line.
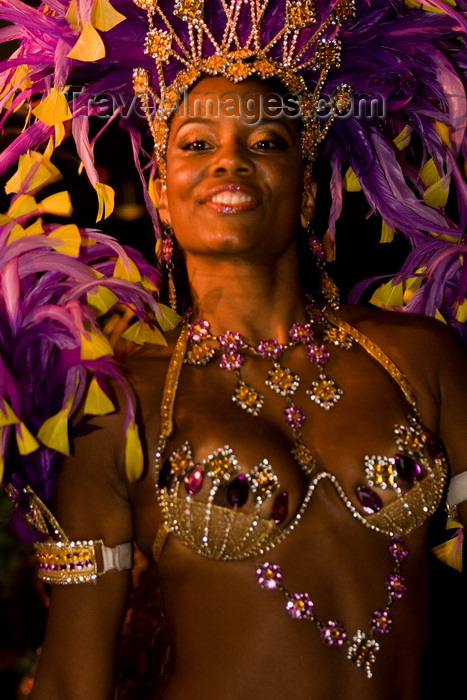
point(257, 300)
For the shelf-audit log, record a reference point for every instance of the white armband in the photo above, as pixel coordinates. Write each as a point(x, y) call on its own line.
point(457, 492)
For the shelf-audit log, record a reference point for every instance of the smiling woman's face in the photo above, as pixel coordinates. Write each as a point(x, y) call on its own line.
point(234, 173)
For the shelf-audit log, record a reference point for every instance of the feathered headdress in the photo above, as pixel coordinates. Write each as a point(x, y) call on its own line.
point(391, 72)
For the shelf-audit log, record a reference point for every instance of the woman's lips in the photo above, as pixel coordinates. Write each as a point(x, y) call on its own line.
point(231, 199)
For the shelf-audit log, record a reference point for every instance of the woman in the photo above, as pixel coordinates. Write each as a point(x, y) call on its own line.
point(232, 196)
point(291, 448)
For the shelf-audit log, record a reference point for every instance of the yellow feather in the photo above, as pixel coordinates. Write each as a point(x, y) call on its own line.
point(34, 168)
point(58, 204)
point(152, 191)
point(35, 228)
point(7, 415)
point(127, 270)
point(351, 182)
point(94, 345)
point(54, 108)
point(26, 442)
point(72, 16)
point(106, 200)
point(97, 402)
point(403, 139)
point(437, 194)
point(19, 78)
point(387, 295)
point(24, 204)
point(68, 240)
point(102, 300)
point(170, 319)
point(450, 552)
point(140, 333)
point(54, 431)
point(104, 16)
point(89, 46)
point(133, 453)
point(429, 173)
point(428, 8)
point(387, 233)
point(461, 313)
point(60, 134)
point(147, 284)
point(17, 232)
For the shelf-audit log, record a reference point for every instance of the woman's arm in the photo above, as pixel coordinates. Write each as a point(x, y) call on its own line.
point(84, 622)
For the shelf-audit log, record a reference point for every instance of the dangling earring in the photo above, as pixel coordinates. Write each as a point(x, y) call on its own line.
point(329, 289)
point(165, 254)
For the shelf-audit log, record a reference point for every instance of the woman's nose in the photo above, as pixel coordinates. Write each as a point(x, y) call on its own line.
point(232, 157)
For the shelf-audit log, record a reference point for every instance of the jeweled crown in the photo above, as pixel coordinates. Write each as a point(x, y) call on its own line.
point(296, 42)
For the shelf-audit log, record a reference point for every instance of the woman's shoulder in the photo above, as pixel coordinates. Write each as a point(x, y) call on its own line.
point(402, 334)
point(146, 370)
point(427, 352)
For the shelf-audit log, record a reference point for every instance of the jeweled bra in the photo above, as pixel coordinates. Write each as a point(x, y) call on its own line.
point(417, 474)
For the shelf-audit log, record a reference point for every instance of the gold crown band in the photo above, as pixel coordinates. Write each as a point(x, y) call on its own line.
point(238, 60)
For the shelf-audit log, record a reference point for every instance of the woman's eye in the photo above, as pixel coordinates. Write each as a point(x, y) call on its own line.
point(196, 145)
point(275, 143)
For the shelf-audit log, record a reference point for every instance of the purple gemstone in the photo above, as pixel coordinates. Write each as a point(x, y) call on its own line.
point(369, 499)
point(193, 480)
point(238, 490)
point(408, 469)
point(280, 510)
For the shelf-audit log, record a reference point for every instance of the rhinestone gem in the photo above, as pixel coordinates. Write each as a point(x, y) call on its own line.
point(324, 392)
point(369, 500)
point(248, 398)
point(408, 469)
point(280, 510)
point(237, 492)
point(193, 480)
point(282, 380)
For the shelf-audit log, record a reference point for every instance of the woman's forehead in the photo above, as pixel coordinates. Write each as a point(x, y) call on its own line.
point(251, 102)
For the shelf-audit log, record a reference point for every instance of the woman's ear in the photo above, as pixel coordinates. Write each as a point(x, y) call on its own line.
point(162, 202)
point(307, 212)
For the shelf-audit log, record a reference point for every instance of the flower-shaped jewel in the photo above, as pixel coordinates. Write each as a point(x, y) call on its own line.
point(333, 633)
point(230, 340)
point(294, 416)
point(314, 311)
point(299, 606)
point(381, 621)
point(231, 361)
point(316, 247)
point(395, 584)
point(363, 652)
point(198, 329)
point(270, 349)
point(398, 550)
point(269, 575)
point(318, 354)
point(167, 248)
point(301, 333)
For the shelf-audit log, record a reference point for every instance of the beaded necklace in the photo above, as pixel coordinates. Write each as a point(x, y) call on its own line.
point(323, 391)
